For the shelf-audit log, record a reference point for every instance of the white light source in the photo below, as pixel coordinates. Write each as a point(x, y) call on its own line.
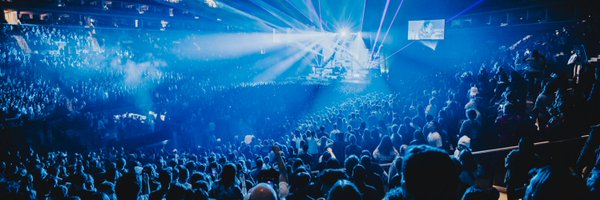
point(344, 32)
point(211, 3)
point(163, 24)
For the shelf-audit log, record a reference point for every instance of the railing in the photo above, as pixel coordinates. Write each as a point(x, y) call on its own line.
point(546, 142)
point(502, 149)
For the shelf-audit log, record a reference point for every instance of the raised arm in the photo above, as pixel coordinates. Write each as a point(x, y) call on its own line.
point(280, 164)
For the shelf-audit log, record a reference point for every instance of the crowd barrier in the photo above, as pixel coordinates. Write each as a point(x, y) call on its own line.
point(502, 149)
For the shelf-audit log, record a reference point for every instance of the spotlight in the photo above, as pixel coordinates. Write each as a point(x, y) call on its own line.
point(211, 3)
point(344, 32)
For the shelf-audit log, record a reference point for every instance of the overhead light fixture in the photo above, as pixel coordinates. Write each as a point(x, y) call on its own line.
point(211, 3)
point(163, 24)
point(142, 9)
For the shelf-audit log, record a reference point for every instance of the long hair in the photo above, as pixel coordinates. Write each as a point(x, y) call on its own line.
point(385, 145)
point(228, 174)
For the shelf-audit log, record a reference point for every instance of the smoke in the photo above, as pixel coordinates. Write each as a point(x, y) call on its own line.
point(232, 46)
point(137, 73)
point(141, 79)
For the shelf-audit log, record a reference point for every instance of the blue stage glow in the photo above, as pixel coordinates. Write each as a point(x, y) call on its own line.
point(222, 99)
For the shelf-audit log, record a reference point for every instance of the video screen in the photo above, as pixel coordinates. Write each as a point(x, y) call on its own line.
point(426, 29)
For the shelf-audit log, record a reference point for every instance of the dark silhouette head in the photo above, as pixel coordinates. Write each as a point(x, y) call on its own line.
point(385, 145)
point(350, 162)
point(128, 186)
point(262, 191)
point(344, 190)
point(228, 174)
point(429, 173)
point(471, 114)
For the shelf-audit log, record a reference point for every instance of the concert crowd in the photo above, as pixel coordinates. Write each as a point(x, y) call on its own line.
point(423, 141)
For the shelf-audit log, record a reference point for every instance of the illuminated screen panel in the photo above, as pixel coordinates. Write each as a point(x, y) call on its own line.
point(426, 29)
